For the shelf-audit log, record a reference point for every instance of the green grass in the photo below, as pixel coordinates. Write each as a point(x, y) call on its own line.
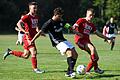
point(49, 59)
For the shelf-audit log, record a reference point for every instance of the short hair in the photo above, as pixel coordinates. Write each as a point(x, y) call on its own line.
point(33, 3)
point(58, 11)
point(91, 9)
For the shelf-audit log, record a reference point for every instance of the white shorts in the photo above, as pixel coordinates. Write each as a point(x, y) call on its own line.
point(63, 46)
point(110, 35)
point(20, 37)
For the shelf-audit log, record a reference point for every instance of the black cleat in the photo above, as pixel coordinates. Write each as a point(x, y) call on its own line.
point(6, 53)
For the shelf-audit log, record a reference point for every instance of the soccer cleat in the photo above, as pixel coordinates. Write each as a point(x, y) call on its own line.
point(99, 71)
point(72, 75)
point(6, 53)
point(38, 71)
point(88, 73)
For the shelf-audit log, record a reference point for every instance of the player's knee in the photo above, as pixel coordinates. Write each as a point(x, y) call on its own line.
point(33, 55)
point(69, 53)
point(26, 56)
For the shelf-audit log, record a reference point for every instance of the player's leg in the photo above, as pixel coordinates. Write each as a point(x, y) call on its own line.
point(68, 49)
point(21, 54)
point(94, 58)
point(112, 43)
point(89, 48)
point(73, 54)
point(33, 52)
point(20, 38)
point(17, 42)
point(71, 62)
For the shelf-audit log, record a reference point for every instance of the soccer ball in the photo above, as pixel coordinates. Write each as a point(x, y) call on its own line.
point(81, 69)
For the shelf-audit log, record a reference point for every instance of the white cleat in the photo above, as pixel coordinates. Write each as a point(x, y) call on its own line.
point(72, 75)
point(38, 71)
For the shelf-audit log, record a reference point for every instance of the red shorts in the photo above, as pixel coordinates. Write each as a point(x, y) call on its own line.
point(82, 43)
point(27, 46)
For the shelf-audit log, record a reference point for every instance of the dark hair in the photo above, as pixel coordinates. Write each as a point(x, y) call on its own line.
point(33, 3)
point(58, 11)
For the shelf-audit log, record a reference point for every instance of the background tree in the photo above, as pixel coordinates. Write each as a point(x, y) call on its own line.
point(113, 9)
point(11, 11)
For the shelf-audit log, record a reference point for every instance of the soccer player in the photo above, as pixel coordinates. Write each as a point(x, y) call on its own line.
point(84, 26)
point(20, 33)
point(30, 21)
point(108, 31)
point(54, 27)
point(20, 36)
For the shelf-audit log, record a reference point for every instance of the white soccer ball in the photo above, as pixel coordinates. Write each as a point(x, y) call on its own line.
point(81, 69)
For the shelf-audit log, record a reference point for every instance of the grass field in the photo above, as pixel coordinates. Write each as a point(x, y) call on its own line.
point(49, 59)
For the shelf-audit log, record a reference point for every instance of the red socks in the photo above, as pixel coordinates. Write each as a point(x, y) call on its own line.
point(34, 62)
point(92, 63)
point(33, 59)
point(17, 53)
point(89, 66)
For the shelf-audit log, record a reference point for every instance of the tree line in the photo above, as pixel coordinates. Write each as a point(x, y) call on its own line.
point(10, 11)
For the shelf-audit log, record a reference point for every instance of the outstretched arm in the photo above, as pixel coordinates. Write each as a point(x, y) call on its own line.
point(101, 35)
point(20, 26)
point(37, 35)
point(72, 28)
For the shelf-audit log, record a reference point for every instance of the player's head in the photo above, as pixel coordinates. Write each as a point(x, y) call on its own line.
point(58, 13)
point(33, 7)
point(111, 19)
point(90, 14)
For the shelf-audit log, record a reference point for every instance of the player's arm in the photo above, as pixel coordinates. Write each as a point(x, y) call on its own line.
point(104, 30)
point(72, 28)
point(116, 27)
point(101, 35)
point(36, 36)
point(20, 26)
point(37, 29)
point(17, 29)
point(40, 32)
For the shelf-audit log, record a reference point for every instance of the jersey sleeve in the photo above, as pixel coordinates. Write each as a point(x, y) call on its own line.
point(25, 18)
point(79, 21)
point(77, 24)
point(45, 26)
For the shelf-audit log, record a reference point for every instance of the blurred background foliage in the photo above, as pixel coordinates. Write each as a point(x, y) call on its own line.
point(10, 11)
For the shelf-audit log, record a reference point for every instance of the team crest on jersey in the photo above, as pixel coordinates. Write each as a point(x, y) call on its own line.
point(87, 29)
point(34, 23)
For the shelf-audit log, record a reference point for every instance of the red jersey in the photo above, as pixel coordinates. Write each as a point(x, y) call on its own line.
point(30, 23)
point(84, 27)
